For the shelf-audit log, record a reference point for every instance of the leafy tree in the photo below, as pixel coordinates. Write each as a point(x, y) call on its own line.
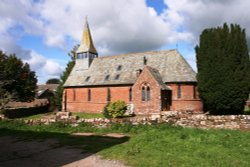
point(53, 81)
point(223, 69)
point(64, 76)
point(16, 79)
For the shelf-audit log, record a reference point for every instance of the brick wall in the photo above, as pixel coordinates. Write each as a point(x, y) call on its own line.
point(189, 97)
point(77, 98)
point(154, 104)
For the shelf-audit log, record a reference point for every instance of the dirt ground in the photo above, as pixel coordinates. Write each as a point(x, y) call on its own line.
point(15, 152)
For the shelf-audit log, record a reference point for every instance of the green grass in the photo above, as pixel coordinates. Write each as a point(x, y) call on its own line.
point(88, 115)
point(148, 146)
point(36, 117)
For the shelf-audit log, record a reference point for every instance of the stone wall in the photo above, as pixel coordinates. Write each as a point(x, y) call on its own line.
point(184, 119)
point(199, 120)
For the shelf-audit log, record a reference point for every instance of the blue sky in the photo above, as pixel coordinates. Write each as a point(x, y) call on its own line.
point(43, 32)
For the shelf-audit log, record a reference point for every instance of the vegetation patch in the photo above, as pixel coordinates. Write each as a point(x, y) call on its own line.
point(88, 115)
point(115, 109)
point(146, 145)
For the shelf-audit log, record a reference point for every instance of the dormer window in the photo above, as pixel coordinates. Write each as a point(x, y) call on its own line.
point(117, 76)
point(119, 68)
point(106, 78)
point(87, 79)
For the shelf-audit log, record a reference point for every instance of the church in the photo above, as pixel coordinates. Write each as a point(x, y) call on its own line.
point(149, 82)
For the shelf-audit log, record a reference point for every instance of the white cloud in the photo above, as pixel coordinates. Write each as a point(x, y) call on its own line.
point(117, 26)
point(195, 15)
point(45, 68)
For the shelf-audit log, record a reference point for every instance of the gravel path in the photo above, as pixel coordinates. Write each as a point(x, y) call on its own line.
point(46, 153)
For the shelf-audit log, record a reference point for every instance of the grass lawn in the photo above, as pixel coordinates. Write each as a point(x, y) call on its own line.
point(37, 116)
point(88, 115)
point(147, 146)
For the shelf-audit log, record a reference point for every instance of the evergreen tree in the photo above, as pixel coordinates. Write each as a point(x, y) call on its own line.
point(64, 76)
point(16, 78)
point(223, 69)
point(53, 81)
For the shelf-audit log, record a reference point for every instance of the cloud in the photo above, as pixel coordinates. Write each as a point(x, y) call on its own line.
point(45, 68)
point(195, 15)
point(117, 26)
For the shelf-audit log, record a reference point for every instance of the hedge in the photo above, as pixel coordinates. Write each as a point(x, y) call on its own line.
point(24, 112)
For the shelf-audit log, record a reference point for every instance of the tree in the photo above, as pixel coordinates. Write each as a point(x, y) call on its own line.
point(223, 69)
point(53, 81)
point(64, 76)
point(16, 78)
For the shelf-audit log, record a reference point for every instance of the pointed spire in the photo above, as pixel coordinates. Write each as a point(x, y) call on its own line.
point(86, 42)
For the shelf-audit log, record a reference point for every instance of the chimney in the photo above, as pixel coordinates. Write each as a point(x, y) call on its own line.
point(138, 72)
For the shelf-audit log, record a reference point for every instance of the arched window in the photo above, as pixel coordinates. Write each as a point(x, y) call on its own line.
point(74, 95)
point(179, 91)
point(130, 94)
point(143, 94)
point(89, 95)
point(148, 93)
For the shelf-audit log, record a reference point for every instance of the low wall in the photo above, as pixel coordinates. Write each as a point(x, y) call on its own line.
point(186, 119)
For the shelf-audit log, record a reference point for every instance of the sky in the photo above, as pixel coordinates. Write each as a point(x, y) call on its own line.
point(42, 32)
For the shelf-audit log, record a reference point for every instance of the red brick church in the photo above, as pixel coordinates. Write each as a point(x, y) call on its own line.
point(149, 82)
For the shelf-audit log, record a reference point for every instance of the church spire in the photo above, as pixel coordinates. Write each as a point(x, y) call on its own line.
point(86, 45)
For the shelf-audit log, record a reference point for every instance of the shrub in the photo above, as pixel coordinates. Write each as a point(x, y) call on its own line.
point(115, 109)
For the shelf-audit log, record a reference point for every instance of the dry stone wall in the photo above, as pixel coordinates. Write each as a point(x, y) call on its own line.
point(184, 119)
point(205, 121)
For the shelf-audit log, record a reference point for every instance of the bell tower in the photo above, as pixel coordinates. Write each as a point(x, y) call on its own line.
point(86, 51)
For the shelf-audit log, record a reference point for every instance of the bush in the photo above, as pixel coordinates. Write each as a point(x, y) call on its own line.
point(115, 109)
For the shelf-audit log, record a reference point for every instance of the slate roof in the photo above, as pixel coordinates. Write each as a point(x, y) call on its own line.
point(157, 76)
point(171, 65)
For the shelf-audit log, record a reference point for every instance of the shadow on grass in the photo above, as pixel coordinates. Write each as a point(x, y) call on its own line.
point(25, 148)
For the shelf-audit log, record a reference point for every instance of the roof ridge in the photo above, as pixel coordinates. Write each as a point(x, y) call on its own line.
point(136, 53)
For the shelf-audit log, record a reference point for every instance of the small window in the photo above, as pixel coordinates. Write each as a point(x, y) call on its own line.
point(87, 79)
point(179, 91)
point(148, 93)
point(119, 68)
point(74, 95)
point(108, 95)
point(89, 95)
point(117, 76)
point(130, 94)
point(195, 95)
point(107, 77)
point(143, 94)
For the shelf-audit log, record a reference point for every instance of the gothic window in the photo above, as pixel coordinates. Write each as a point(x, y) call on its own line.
point(130, 94)
point(143, 94)
point(179, 91)
point(89, 95)
point(108, 95)
point(148, 94)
